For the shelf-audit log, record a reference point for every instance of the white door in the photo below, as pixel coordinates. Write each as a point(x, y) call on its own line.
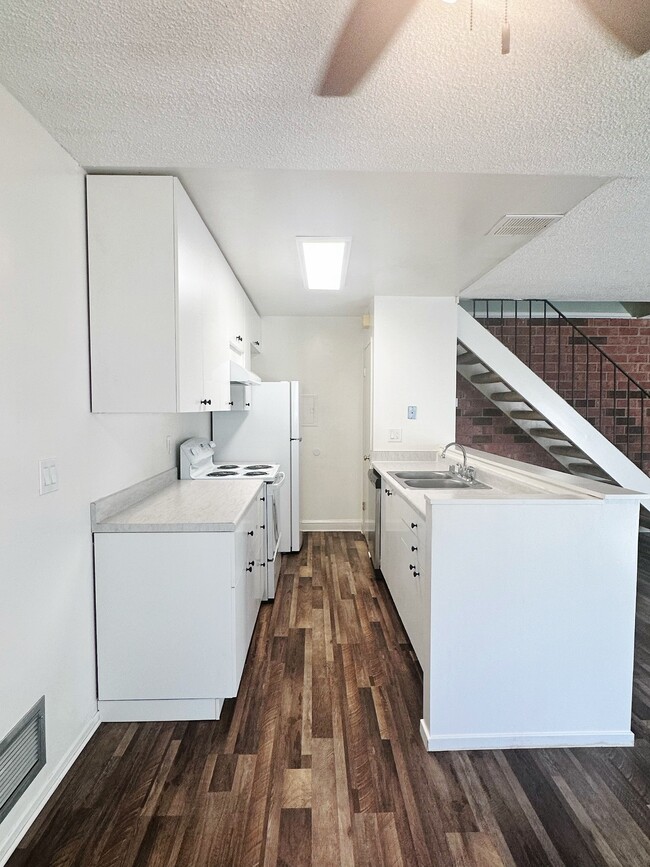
point(368, 491)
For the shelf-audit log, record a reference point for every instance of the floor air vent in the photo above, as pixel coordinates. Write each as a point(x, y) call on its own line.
point(22, 755)
point(524, 224)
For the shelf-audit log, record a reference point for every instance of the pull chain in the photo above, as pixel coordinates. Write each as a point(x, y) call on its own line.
point(471, 15)
point(505, 32)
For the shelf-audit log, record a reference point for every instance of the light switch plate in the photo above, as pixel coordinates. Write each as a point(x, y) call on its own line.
point(412, 412)
point(48, 476)
point(395, 435)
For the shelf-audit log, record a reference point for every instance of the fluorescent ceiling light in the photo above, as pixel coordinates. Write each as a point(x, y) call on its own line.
point(323, 262)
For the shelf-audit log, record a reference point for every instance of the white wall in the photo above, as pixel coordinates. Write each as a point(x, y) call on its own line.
point(414, 364)
point(46, 581)
point(325, 354)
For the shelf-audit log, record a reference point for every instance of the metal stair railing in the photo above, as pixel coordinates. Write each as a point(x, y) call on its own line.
point(575, 366)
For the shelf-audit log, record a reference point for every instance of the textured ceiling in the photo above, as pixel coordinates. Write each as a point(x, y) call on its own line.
point(601, 250)
point(162, 83)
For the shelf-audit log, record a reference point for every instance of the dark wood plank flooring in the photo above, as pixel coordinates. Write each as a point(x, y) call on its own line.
point(319, 760)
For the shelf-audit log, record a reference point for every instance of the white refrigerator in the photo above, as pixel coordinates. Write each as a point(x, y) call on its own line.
point(268, 432)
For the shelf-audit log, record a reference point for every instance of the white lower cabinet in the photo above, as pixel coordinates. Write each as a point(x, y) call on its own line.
point(402, 556)
point(175, 616)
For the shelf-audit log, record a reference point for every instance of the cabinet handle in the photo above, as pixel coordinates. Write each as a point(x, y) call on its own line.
point(262, 526)
point(389, 493)
point(414, 547)
point(247, 404)
point(251, 532)
point(414, 526)
point(239, 337)
point(415, 574)
point(262, 499)
point(206, 402)
point(249, 568)
point(231, 403)
point(411, 567)
point(256, 343)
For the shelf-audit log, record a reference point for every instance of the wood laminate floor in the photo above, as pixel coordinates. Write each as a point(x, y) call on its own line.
point(319, 760)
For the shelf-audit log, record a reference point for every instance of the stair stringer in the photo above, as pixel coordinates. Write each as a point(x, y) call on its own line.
point(542, 398)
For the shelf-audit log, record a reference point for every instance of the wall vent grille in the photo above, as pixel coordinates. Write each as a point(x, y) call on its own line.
point(524, 224)
point(22, 755)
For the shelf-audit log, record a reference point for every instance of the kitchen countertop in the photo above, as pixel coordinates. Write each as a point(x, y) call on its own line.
point(506, 485)
point(205, 506)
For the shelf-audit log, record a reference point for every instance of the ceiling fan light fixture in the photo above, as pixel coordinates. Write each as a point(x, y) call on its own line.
point(323, 262)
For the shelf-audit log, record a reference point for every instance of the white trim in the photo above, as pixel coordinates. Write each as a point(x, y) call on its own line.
point(160, 710)
point(332, 525)
point(32, 811)
point(530, 740)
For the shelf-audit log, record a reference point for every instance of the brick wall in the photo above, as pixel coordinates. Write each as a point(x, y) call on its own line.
point(574, 371)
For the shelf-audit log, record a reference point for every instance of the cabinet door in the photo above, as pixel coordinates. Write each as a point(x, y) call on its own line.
point(254, 332)
point(241, 397)
point(193, 243)
point(247, 583)
point(132, 282)
point(164, 624)
point(402, 530)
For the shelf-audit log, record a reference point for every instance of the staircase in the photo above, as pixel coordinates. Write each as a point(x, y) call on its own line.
point(579, 406)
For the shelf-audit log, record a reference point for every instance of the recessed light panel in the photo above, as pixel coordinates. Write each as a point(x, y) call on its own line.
point(323, 262)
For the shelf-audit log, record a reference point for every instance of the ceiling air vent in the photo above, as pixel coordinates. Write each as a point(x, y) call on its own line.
point(22, 755)
point(524, 224)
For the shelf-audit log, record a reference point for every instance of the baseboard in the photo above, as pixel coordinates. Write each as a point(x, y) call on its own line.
point(31, 812)
point(530, 740)
point(334, 525)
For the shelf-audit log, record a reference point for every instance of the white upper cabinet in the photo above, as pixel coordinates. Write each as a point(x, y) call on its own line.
point(253, 329)
point(165, 306)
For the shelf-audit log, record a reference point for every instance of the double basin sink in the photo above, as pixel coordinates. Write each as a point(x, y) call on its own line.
point(436, 480)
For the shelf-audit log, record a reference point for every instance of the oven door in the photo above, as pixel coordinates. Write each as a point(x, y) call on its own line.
point(273, 533)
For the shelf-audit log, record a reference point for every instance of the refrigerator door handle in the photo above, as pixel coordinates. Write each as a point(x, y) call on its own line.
point(295, 439)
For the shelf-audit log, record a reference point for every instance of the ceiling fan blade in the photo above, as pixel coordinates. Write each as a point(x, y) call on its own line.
point(369, 28)
point(628, 20)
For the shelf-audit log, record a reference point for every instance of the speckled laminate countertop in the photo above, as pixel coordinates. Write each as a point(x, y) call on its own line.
point(210, 506)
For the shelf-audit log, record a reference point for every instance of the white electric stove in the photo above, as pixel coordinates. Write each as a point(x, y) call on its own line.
point(199, 463)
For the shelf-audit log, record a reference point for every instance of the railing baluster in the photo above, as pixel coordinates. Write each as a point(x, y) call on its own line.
point(627, 422)
point(614, 437)
point(559, 353)
point(573, 368)
point(544, 345)
point(587, 384)
point(516, 326)
point(600, 399)
point(641, 464)
point(501, 320)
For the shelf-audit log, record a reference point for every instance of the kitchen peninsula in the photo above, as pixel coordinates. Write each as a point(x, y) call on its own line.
point(519, 600)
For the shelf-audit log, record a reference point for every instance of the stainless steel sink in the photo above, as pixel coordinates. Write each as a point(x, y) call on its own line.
point(422, 474)
point(435, 480)
point(444, 483)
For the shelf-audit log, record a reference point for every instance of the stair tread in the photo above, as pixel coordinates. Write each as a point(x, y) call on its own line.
point(480, 378)
point(568, 451)
point(527, 415)
point(468, 358)
point(550, 433)
point(588, 470)
point(507, 397)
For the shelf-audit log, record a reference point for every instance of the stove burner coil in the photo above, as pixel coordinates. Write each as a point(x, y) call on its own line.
point(228, 467)
point(221, 473)
point(258, 467)
point(256, 473)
